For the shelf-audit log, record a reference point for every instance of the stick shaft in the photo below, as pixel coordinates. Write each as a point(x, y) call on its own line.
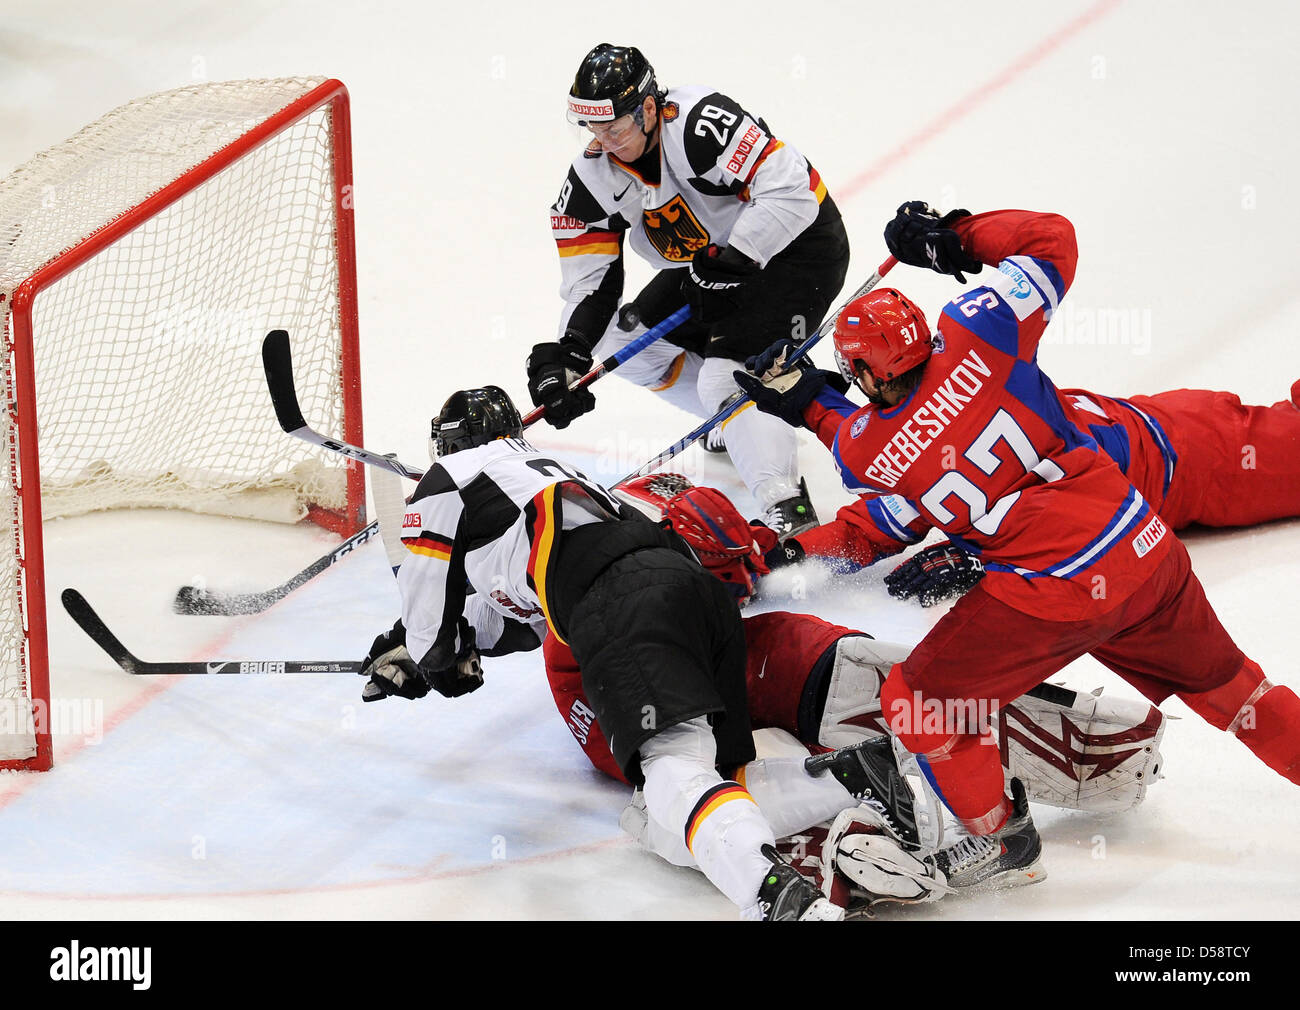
point(93, 625)
point(619, 357)
point(195, 600)
point(733, 407)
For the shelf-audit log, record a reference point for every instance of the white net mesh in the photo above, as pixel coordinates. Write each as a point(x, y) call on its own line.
point(148, 369)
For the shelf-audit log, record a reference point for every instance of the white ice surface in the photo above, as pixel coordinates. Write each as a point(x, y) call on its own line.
point(1164, 131)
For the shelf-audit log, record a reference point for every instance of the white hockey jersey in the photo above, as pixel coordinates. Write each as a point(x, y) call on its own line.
point(486, 518)
point(723, 180)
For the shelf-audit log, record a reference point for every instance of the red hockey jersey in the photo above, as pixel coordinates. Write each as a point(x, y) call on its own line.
point(984, 450)
point(872, 528)
point(781, 650)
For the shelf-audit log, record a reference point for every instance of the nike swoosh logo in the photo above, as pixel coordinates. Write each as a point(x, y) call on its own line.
point(216, 667)
point(624, 193)
point(762, 669)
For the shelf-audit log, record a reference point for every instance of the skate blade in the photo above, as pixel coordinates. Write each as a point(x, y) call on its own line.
point(1022, 876)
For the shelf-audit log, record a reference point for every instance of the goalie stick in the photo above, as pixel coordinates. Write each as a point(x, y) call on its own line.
point(738, 403)
point(89, 622)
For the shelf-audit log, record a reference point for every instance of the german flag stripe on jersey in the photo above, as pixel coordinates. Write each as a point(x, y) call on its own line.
point(722, 793)
point(591, 243)
point(772, 147)
point(430, 545)
point(543, 516)
point(815, 183)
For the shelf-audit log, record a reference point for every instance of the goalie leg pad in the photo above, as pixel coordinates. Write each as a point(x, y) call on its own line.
point(852, 711)
point(1081, 751)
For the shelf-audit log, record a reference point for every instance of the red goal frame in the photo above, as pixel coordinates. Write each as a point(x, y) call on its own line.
point(31, 560)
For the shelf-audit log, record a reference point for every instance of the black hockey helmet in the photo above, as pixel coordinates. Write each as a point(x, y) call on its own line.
point(612, 81)
point(473, 417)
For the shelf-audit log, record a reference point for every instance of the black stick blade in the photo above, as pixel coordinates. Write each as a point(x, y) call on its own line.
point(89, 622)
point(277, 361)
point(196, 602)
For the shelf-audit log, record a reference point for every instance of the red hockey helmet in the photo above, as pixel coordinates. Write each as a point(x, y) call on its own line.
point(724, 541)
point(883, 330)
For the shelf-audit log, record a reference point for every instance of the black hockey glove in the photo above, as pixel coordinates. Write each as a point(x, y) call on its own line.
point(919, 237)
point(787, 552)
point(391, 669)
point(551, 369)
point(935, 574)
point(465, 674)
point(778, 392)
point(716, 282)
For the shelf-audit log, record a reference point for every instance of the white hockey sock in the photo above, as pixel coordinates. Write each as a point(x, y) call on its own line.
point(790, 798)
point(720, 822)
point(763, 448)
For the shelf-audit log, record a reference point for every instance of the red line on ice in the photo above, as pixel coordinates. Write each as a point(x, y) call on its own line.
point(972, 99)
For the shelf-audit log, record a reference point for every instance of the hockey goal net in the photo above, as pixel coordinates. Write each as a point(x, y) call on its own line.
point(141, 263)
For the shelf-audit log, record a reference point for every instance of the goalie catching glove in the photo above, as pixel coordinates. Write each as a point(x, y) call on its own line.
point(935, 574)
point(878, 869)
point(392, 671)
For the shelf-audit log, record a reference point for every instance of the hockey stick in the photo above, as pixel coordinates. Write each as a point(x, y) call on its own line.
point(198, 600)
point(89, 621)
point(278, 364)
point(736, 405)
point(277, 361)
point(618, 357)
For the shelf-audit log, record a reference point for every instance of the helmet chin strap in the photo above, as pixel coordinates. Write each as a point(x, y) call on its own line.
point(651, 135)
point(873, 398)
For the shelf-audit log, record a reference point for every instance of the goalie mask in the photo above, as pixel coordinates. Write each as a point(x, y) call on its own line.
point(473, 417)
point(728, 546)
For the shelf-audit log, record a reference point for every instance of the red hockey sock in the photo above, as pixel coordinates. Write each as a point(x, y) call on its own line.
point(1264, 717)
point(965, 768)
point(968, 775)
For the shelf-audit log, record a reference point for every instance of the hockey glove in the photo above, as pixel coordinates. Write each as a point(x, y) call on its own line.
point(465, 674)
point(716, 282)
point(775, 391)
point(919, 237)
point(935, 574)
point(391, 669)
point(552, 368)
point(787, 552)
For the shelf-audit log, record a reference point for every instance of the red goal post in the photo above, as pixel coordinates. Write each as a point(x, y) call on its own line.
point(141, 263)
